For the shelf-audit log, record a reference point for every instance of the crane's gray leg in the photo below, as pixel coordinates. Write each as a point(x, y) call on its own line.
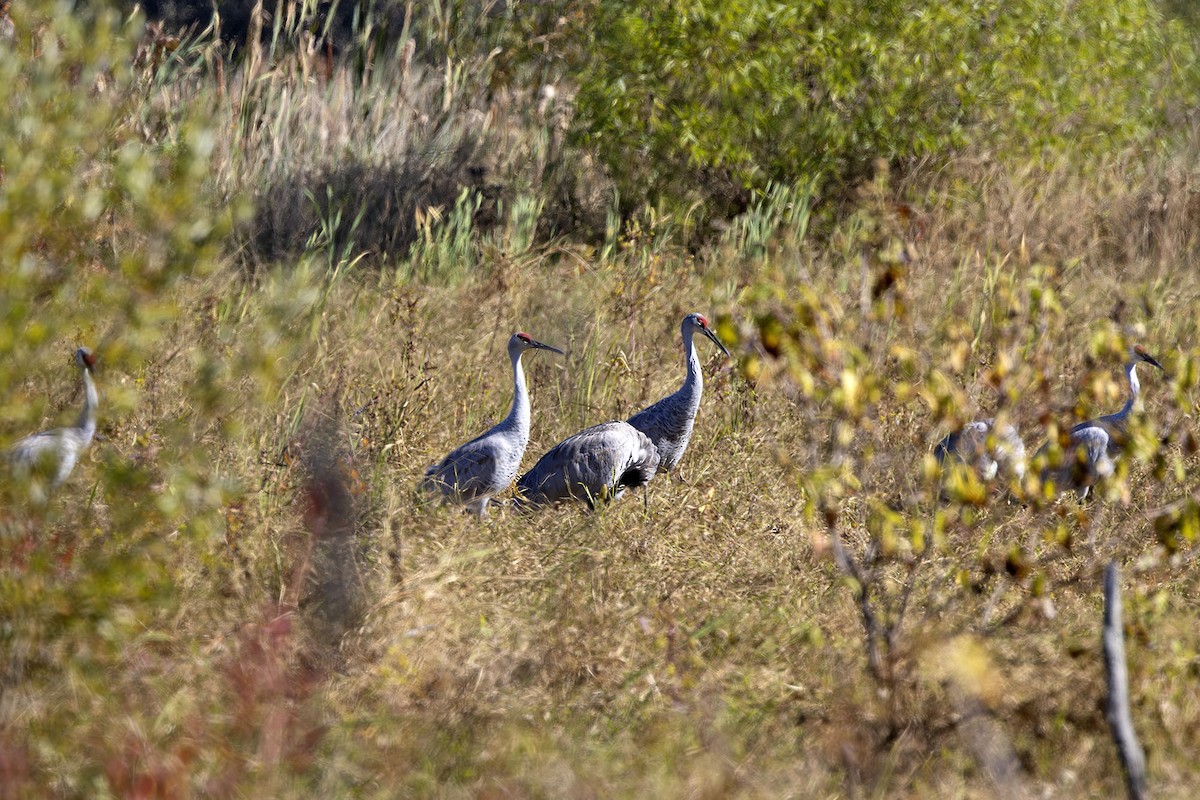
point(645, 498)
point(479, 507)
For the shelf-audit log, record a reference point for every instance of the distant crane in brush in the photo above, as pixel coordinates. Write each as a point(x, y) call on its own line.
point(1093, 446)
point(988, 449)
point(601, 462)
point(485, 466)
point(8, 31)
point(52, 454)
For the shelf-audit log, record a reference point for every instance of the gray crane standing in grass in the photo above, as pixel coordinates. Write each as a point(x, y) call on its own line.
point(1093, 446)
point(8, 31)
point(669, 422)
point(52, 454)
point(988, 449)
point(601, 462)
point(595, 465)
point(485, 466)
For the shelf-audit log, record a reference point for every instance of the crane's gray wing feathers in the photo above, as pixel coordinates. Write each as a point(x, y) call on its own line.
point(32, 449)
point(1113, 428)
point(49, 454)
point(466, 473)
point(965, 443)
point(1008, 450)
point(596, 464)
point(970, 445)
point(669, 424)
point(44, 461)
point(1092, 446)
point(1086, 459)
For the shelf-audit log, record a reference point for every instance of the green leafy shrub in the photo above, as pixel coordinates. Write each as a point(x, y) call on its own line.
point(108, 233)
point(700, 100)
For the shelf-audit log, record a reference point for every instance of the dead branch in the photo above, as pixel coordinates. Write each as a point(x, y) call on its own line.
point(1119, 718)
point(851, 569)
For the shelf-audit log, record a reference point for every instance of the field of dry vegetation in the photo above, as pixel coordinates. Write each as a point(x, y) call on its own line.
point(299, 270)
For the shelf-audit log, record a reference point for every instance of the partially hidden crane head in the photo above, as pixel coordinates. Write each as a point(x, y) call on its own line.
point(698, 322)
point(521, 341)
point(85, 359)
point(1140, 354)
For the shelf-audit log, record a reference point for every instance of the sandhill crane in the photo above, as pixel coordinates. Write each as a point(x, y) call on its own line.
point(1094, 445)
point(53, 453)
point(988, 449)
point(595, 465)
point(669, 422)
point(8, 31)
point(485, 466)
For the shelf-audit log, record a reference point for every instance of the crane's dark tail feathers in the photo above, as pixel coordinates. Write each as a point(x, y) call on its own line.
point(635, 476)
point(942, 450)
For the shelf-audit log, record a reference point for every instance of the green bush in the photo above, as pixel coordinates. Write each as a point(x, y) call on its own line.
point(107, 235)
point(703, 99)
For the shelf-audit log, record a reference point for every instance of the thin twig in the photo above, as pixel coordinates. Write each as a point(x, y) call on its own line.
point(1119, 718)
point(990, 607)
point(846, 563)
point(910, 581)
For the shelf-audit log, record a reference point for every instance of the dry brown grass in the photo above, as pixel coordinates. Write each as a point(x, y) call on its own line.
point(708, 646)
point(323, 632)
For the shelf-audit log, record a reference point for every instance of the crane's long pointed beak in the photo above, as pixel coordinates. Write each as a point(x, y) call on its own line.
point(1149, 359)
point(541, 346)
point(715, 341)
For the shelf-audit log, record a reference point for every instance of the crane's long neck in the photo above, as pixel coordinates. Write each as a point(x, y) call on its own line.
point(518, 417)
point(87, 417)
point(1135, 390)
point(693, 384)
